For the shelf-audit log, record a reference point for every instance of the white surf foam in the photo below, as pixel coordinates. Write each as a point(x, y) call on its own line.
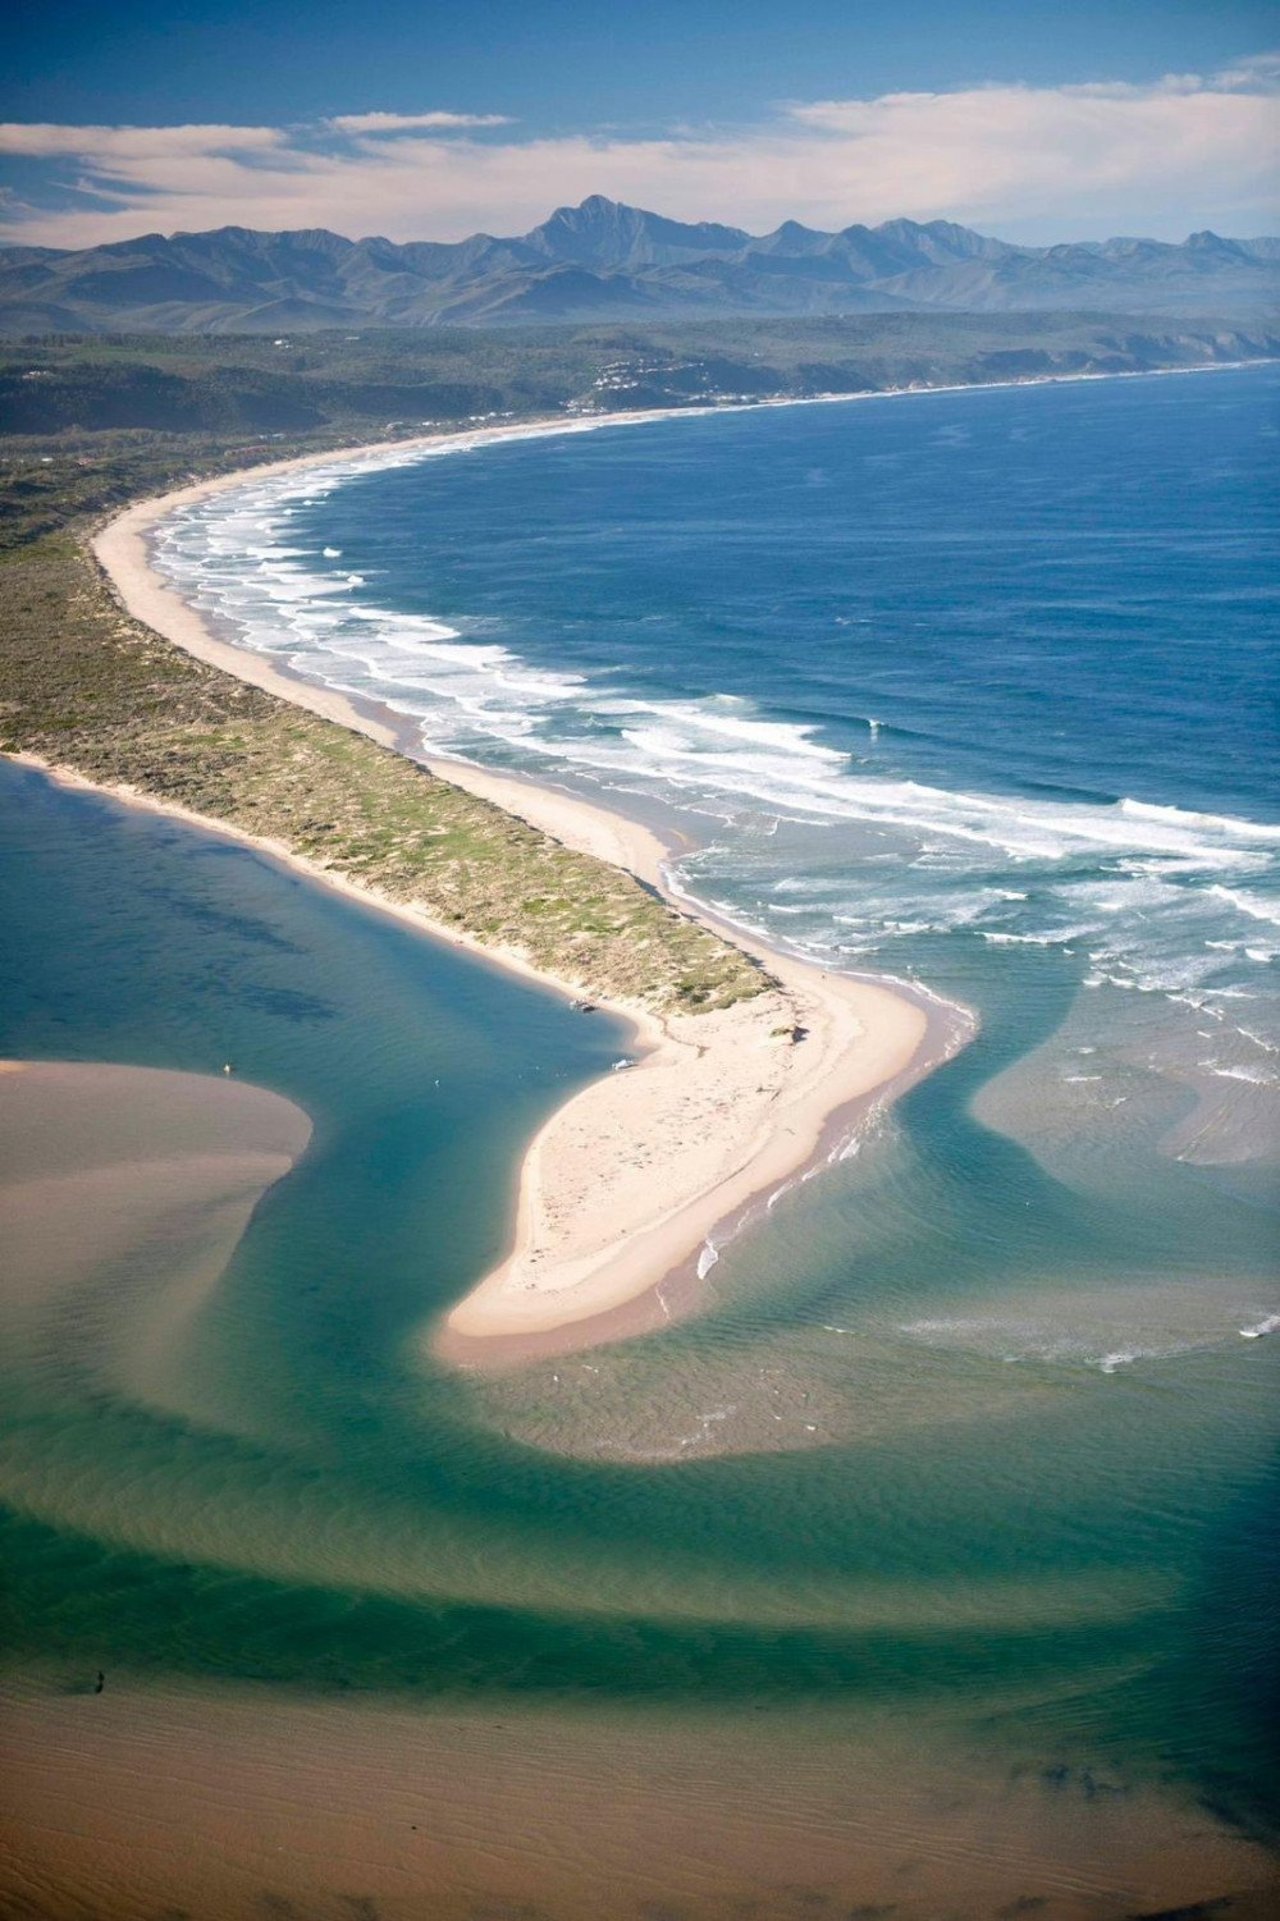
point(1168, 879)
point(1255, 906)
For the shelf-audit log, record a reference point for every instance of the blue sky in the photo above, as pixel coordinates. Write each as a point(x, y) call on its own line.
point(1035, 121)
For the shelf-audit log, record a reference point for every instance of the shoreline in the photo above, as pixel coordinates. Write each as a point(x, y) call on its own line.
point(720, 1113)
point(122, 549)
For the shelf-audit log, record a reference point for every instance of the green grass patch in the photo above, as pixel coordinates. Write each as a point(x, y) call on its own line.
point(83, 685)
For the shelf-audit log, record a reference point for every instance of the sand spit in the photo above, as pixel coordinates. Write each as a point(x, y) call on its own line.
point(641, 1175)
point(632, 1183)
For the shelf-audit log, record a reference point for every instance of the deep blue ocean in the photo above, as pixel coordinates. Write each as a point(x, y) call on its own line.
point(916, 675)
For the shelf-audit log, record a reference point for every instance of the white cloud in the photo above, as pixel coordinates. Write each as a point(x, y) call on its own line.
point(1259, 70)
point(377, 123)
point(111, 144)
point(1035, 163)
point(1101, 156)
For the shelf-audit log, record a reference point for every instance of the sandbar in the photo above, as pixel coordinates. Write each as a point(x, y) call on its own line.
point(236, 1802)
point(137, 1178)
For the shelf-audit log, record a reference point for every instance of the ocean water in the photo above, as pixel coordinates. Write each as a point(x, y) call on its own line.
point(969, 1463)
point(918, 676)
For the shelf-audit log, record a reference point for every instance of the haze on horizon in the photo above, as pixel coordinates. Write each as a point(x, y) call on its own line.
point(1012, 121)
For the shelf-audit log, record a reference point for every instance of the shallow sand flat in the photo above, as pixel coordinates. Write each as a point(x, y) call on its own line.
point(60, 1118)
point(145, 1173)
point(249, 1802)
point(624, 1185)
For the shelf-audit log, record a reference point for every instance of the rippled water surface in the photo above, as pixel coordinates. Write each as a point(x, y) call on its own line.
point(974, 1441)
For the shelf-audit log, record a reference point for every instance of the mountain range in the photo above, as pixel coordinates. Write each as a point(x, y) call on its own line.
point(602, 261)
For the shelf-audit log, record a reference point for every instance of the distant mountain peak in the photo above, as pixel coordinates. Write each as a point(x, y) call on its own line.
point(608, 236)
point(605, 259)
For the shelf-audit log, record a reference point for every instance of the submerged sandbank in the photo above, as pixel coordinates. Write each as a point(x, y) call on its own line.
point(630, 1185)
point(141, 1174)
point(252, 1802)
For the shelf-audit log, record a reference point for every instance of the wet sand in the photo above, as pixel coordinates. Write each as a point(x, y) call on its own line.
point(163, 1797)
point(152, 1800)
point(140, 1172)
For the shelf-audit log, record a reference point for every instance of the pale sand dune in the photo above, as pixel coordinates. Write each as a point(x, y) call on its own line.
point(624, 1185)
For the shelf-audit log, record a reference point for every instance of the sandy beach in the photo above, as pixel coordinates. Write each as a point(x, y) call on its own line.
point(627, 1191)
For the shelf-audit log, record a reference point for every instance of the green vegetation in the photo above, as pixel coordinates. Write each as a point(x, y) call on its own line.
point(85, 687)
point(374, 383)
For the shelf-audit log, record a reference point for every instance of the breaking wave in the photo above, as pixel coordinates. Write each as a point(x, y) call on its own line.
point(1154, 898)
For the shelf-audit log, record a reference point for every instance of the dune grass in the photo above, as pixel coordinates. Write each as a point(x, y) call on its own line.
point(84, 686)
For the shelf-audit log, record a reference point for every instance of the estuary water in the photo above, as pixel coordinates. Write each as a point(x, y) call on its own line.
point(934, 1561)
